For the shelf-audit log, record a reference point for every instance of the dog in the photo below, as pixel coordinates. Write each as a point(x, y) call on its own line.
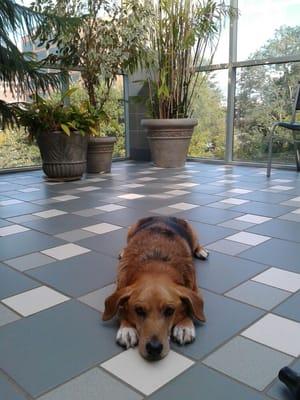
point(157, 296)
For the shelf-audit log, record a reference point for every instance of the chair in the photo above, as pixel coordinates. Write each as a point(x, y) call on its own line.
point(293, 126)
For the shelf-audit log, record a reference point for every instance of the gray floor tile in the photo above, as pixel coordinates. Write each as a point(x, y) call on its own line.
point(290, 308)
point(279, 229)
point(248, 362)
point(200, 382)
point(277, 253)
point(60, 224)
point(208, 233)
point(228, 247)
point(25, 243)
point(88, 212)
point(291, 217)
point(19, 209)
point(267, 210)
point(23, 218)
point(8, 391)
point(71, 333)
point(258, 295)
point(125, 217)
point(97, 298)
point(74, 235)
point(278, 390)
point(78, 275)
point(95, 384)
point(219, 310)
point(221, 272)
point(235, 224)
point(110, 243)
point(7, 316)
point(29, 261)
point(208, 215)
point(265, 197)
point(13, 282)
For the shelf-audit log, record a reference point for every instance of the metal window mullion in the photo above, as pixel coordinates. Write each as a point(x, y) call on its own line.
point(126, 114)
point(231, 84)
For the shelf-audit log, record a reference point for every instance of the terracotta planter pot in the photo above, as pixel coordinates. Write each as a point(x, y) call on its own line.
point(99, 154)
point(169, 140)
point(63, 156)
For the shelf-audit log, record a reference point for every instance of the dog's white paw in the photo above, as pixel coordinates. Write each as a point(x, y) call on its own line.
point(184, 334)
point(202, 253)
point(127, 337)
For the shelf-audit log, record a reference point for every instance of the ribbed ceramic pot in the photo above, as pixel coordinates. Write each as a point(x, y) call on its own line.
point(169, 140)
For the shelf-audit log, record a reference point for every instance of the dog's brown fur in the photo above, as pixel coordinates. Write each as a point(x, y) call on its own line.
point(156, 286)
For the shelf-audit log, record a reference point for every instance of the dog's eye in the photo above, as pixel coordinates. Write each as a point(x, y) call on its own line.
point(168, 311)
point(140, 312)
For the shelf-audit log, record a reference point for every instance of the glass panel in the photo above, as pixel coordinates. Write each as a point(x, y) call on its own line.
point(209, 108)
point(268, 28)
point(264, 95)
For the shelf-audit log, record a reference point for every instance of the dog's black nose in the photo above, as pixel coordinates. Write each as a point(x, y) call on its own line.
point(154, 348)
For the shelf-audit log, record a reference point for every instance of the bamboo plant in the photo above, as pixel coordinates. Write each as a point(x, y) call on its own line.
point(183, 35)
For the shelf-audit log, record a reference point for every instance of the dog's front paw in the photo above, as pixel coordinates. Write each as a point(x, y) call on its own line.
point(184, 334)
point(127, 337)
point(201, 253)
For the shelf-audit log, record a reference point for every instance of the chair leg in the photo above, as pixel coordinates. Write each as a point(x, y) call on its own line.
point(297, 149)
point(270, 152)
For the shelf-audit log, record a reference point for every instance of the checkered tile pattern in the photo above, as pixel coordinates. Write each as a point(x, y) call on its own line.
point(59, 244)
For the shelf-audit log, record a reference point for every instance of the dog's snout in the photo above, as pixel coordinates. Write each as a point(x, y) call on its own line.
point(154, 348)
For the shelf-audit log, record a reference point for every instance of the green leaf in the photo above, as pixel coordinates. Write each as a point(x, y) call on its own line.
point(66, 129)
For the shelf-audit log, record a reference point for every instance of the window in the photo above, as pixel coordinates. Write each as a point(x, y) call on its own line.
point(209, 108)
point(264, 95)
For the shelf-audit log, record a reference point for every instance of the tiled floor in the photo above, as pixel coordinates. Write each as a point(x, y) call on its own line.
point(59, 244)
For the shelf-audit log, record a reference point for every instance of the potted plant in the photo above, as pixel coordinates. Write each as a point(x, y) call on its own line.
point(61, 132)
point(109, 40)
point(183, 35)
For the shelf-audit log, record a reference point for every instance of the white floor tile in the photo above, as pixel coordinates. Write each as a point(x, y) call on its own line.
point(276, 332)
point(177, 192)
point(97, 298)
point(101, 228)
point(254, 219)
point(34, 300)
point(88, 188)
point(248, 238)
point(10, 202)
point(239, 191)
point(146, 376)
point(183, 206)
point(50, 213)
point(281, 188)
point(65, 198)
point(147, 179)
point(232, 200)
point(279, 278)
point(131, 196)
point(12, 230)
point(133, 185)
point(65, 251)
point(281, 180)
point(110, 207)
point(29, 190)
point(297, 211)
point(187, 184)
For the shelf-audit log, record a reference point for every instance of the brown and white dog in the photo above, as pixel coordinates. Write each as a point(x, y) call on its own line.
point(157, 295)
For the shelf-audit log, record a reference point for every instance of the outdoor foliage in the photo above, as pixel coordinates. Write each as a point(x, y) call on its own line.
point(265, 95)
point(16, 68)
point(109, 39)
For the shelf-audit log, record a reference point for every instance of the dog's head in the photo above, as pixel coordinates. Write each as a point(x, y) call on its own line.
point(153, 305)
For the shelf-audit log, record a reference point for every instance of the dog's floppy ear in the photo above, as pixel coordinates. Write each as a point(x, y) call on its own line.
point(194, 302)
point(114, 301)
